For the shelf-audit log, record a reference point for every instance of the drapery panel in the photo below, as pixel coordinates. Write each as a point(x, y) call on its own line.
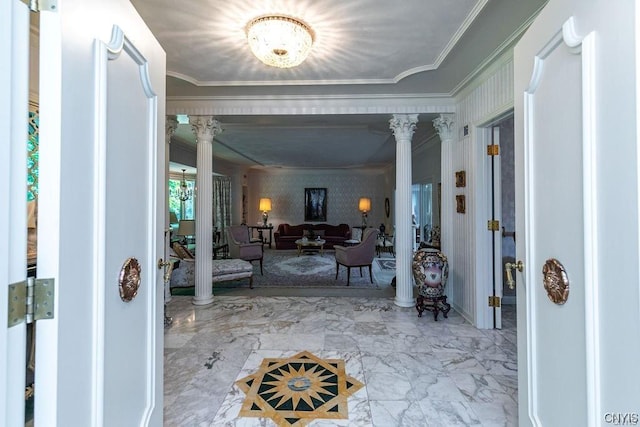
point(221, 204)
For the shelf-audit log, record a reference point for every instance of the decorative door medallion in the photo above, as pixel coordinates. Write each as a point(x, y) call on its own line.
point(556, 281)
point(129, 280)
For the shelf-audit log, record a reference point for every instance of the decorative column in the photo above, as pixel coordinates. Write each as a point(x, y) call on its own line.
point(205, 128)
point(170, 125)
point(445, 126)
point(403, 126)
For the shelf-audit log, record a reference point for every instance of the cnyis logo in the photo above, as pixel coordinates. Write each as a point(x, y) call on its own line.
point(622, 419)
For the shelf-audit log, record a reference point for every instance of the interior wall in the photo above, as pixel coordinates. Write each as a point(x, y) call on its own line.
point(486, 98)
point(344, 189)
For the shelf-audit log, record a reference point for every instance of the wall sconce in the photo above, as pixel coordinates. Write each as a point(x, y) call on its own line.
point(265, 207)
point(364, 205)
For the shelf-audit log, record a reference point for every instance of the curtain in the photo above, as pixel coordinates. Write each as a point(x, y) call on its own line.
point(221, 205)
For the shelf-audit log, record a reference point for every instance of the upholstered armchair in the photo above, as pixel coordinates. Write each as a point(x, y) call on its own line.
point(360, 255)
point(430, 273)
point(385, 243)
point(241, 247)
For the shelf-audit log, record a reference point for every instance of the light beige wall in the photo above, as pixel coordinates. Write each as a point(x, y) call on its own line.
point(344, 188)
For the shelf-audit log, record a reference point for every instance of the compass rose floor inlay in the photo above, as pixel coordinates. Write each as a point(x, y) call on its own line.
point(295, 390)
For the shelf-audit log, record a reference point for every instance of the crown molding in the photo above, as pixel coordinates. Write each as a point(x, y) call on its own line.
point(310, 104)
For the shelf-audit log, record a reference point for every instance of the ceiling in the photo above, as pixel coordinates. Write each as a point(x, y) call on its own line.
point(362, 48)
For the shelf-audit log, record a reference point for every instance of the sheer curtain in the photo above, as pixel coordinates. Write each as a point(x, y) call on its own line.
point(221, 204)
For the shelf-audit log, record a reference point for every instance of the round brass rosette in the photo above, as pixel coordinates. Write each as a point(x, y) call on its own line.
point(556, 281)
point(129, 281)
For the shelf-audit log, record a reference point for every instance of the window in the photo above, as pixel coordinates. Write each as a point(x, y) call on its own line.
point(186, 209)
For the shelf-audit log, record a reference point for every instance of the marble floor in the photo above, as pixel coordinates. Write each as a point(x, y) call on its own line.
point(416, 372)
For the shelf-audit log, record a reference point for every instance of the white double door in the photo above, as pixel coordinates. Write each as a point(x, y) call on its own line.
point(101, 204)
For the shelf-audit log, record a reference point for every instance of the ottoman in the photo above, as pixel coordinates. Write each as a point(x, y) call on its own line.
point(231, 269)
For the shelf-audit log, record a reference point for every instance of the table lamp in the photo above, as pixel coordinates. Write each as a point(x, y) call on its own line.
point(364, 205)
point(265, 207)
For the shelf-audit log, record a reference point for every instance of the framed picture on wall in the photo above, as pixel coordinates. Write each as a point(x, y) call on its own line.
point(315, 204)
point(460, 205)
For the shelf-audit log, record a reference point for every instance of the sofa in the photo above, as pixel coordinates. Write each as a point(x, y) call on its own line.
point(287, 234)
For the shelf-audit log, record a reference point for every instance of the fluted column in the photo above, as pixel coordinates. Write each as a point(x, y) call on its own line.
point(170, 125)
point(445, 127)
point(403, 126)
point(205, 128)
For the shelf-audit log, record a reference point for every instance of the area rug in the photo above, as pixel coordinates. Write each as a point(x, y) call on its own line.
point(387, 263)
point(285, 268)
point(295, 390)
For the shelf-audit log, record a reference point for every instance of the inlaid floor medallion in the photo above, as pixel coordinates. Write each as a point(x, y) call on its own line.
point(295, 390)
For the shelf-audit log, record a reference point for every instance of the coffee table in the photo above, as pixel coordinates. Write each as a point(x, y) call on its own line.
point(310, 245)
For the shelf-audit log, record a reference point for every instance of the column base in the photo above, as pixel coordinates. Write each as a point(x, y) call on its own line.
point(401, 302)
point(205, 300)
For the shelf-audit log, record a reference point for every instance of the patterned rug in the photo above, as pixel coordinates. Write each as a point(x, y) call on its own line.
point(284, 268)
point(387, 263)
point(295, 390)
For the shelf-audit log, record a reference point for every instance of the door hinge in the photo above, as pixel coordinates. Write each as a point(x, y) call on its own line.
point(41, 5)
point(30, 300)
point(493, 150)
point(494, 301)
point(493, 225)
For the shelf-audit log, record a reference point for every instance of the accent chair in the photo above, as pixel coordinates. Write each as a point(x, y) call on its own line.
point(241, 247)
point(360, 255)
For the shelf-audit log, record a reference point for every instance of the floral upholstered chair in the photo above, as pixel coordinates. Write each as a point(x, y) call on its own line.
point(430, 273)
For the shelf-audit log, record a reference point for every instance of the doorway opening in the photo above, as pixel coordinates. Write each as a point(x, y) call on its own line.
point(498, 137)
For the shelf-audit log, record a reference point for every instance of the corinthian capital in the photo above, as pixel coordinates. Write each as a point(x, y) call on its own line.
point(170, 125)
point(444, 126)
point(403, 125)
point(204, 127)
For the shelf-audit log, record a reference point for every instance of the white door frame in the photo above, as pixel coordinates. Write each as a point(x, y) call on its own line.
point(14, 105)
point(484, 251)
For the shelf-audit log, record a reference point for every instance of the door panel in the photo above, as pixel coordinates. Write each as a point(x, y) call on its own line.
point(553, 217)
point(130, 200)
point(104, 163)
point(556, 209)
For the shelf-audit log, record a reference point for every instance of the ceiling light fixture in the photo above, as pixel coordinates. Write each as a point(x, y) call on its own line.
point(279, 41)
point(184, 193)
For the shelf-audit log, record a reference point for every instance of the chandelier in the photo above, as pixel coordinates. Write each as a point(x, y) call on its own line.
point(184, 193)
point(279, 41)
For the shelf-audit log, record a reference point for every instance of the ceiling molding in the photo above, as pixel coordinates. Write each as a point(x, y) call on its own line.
point(497, 58)
point(310, 105)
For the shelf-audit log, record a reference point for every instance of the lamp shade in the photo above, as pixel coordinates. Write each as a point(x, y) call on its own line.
point(265, 204)
point(187, 227)
point(173, 219)
point(365, 204)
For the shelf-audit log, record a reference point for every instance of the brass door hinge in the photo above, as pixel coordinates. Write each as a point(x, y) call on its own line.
point(493, 150)
point(30, 300)
point(41, 5)
point(494, 301)
point(493, 225)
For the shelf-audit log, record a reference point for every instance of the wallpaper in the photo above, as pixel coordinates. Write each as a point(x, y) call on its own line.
point(344, 189)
